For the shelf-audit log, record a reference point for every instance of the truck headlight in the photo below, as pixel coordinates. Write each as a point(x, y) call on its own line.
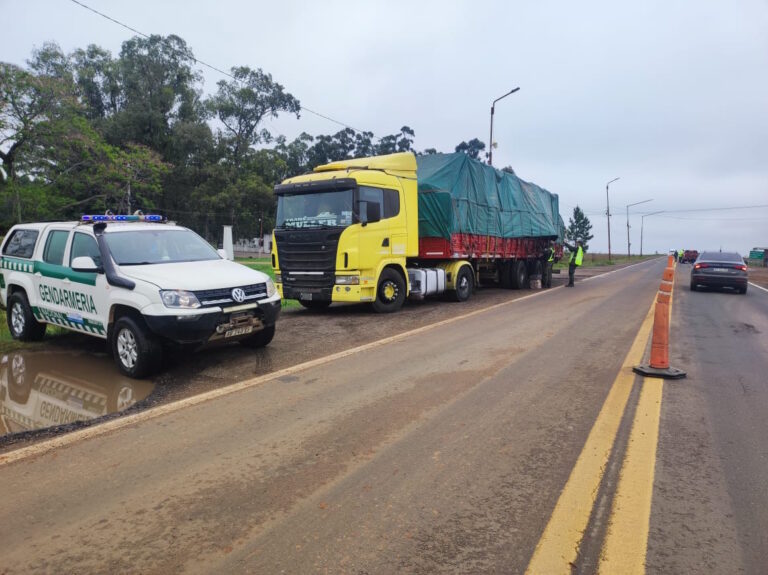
point(179, 299)
point(271, 289)
point(278, 278)
point(348, 280)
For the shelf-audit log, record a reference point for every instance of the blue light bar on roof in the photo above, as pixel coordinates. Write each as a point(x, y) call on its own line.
point(110, 218)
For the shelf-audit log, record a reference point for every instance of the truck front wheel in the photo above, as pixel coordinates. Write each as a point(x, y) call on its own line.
point(465, 281)
point(136, 351)
point(390, 293)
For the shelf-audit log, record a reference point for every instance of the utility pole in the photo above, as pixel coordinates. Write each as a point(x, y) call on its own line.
point(608, 215)
point(493, 108)
point(642, 221)
point(629, 256)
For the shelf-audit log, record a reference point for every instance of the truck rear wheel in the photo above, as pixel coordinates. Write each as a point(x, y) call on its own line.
point(465, 282)
point(136, 351)
point(390, 293)
point(519, 275)
point(21, 321)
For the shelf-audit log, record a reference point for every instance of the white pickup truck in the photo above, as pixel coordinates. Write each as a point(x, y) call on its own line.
point(135, 281)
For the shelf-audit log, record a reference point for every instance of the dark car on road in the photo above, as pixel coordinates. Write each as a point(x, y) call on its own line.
point(720, 269)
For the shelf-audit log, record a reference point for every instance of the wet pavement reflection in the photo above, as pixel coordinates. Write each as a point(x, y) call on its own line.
point(46, 389)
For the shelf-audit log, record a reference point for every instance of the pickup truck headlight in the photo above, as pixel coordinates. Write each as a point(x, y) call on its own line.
point(271, 289)
point(179, 299)
point(348, 280)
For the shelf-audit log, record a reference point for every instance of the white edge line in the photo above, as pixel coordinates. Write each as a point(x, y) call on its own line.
point(115, 424)
point(758, 287)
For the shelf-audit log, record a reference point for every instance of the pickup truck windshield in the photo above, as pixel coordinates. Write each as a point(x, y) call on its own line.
point(320, 210)
point(144, 247)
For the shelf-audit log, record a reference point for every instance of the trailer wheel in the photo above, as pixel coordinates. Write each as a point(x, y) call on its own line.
point(519, 275)
point(390, 293)
point(465, 282)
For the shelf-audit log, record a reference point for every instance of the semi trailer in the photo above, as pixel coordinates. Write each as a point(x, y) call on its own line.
point(386, 228)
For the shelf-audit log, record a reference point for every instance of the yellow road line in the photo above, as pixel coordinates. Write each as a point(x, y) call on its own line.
point(558, 547)
point(627, 539)
point(626, 542)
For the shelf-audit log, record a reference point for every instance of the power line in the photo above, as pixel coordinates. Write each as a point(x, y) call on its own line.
point(220, 71)
point(715, 209)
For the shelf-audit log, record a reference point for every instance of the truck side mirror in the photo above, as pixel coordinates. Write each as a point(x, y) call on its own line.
point(370, 212)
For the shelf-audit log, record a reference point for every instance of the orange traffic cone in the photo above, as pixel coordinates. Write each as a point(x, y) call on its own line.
point(659, 364)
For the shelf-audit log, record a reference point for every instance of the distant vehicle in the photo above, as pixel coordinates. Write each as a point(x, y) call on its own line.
point(720, 269)
point(689, 256)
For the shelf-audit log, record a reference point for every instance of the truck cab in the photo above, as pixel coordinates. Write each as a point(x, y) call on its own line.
point(343, 233)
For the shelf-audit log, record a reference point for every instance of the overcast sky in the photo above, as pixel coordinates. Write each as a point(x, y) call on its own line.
point(671, 96)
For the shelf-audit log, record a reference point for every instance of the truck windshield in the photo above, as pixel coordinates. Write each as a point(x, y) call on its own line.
point(320, 210)
point(144, 247)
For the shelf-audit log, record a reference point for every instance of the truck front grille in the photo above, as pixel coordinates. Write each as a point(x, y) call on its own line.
point(307, 250)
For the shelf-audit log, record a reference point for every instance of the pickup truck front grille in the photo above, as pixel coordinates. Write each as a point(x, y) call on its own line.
point(223, 296)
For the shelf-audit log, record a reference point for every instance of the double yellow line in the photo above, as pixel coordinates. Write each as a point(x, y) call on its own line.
point(626, 540)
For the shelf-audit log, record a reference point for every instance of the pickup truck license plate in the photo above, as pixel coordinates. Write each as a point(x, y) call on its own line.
point(238, 331)
point(305, 296)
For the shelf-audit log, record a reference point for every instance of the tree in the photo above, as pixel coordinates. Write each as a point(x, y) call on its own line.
point(578, 228)
point(158, 88)
point(471, 148)
point(242, 104)
point(396, 142)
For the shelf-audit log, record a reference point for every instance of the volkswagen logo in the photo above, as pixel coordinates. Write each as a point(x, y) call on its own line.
point(238, 295)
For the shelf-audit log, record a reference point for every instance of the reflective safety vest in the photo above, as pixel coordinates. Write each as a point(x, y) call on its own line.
point(577, 256)
point(551, 255)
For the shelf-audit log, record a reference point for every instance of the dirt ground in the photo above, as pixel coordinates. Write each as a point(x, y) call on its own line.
point(302, 335)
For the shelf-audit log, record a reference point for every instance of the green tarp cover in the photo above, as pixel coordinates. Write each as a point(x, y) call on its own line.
point(460, 195)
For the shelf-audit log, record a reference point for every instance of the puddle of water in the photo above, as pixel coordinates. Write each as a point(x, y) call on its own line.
point(44, 389)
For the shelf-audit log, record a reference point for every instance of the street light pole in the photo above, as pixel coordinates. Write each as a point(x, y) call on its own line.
point(608, 215)
point(629, 256)
point(642, 221)
point(493, 109)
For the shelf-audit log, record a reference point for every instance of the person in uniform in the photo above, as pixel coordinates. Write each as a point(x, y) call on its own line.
point(577, 255)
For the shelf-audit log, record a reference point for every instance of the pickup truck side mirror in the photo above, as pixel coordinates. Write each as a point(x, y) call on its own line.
point(85, 264)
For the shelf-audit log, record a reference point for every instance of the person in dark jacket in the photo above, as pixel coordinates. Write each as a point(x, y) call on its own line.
point(577, 255)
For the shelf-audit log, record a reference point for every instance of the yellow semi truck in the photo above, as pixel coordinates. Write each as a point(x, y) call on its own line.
point(385, 228)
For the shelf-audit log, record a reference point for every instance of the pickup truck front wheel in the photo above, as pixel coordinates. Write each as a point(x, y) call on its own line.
point(260, 338)
point(21, 321)
point(136, 351)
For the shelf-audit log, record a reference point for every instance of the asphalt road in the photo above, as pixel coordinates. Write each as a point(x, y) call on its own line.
point(448, 450)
